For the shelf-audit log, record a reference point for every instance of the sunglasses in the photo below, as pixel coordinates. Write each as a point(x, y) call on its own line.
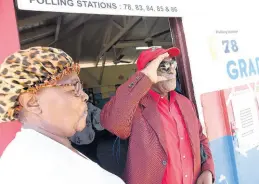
point(165, 66)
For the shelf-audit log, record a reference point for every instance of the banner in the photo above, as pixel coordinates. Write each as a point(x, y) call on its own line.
point(223, 52)
point(162, 8)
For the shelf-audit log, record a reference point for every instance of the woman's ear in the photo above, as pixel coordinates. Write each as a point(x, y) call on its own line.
point(30, 103)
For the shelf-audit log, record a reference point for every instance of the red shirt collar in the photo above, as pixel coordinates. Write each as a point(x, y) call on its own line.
point(157, 96)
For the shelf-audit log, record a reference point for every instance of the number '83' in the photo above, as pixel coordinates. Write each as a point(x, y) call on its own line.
point(230, 45)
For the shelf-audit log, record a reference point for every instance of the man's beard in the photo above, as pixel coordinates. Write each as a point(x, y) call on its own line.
point(168, 85)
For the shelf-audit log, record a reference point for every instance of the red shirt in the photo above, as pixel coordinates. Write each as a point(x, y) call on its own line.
point(179, 151)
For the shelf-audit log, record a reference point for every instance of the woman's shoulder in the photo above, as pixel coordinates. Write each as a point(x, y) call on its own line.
point(36, 154)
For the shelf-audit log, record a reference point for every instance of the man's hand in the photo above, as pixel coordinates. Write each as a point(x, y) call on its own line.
point(205, 178)
point(151, 69)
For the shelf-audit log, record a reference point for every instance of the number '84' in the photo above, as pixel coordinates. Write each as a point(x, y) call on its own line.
point(230, 45)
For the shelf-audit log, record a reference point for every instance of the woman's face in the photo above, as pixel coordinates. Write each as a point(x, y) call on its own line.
point(64, 108)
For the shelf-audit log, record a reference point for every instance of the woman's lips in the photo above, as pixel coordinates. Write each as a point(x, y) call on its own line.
point(85, 111)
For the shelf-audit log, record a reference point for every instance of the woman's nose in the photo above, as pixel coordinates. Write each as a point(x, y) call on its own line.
point(84, 96)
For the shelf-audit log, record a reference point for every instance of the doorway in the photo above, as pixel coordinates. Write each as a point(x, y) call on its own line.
point(106, 47)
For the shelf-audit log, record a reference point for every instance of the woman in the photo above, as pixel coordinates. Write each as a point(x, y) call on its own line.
point(40, 87)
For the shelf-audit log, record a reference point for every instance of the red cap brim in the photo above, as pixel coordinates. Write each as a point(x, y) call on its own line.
point(149, 55)
point(173, 52)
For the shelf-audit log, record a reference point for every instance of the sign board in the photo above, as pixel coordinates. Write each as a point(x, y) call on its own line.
point(222, 51)
point(161, 8)
point(245, 111)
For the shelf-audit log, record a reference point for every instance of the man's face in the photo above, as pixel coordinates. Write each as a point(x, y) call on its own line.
point(63, 109)
point(167, 69)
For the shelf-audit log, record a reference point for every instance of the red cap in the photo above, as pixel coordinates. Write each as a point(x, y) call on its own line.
point(148, 55)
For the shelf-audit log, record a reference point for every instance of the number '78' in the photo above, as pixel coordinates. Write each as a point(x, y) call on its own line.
point(230, 44)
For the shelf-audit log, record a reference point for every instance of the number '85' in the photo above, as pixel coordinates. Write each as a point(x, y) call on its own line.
point(230, 45)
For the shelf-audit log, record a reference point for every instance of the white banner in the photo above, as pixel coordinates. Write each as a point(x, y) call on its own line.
point(223, 52)
point(161, 8)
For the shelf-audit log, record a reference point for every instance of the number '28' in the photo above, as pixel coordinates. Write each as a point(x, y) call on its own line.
point(230, 45)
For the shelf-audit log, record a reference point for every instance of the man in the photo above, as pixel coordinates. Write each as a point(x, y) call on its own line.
point(165, 137)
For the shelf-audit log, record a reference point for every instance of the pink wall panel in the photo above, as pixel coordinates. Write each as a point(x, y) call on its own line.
point(214, 117)
point(8, 29)
point(9, 43)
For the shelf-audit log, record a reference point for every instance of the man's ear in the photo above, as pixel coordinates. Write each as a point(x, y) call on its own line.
point(30, 103)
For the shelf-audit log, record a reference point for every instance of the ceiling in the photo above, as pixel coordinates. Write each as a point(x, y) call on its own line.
point(92, 39)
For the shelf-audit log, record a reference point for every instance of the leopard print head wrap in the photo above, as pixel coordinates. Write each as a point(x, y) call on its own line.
point(26, 69)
